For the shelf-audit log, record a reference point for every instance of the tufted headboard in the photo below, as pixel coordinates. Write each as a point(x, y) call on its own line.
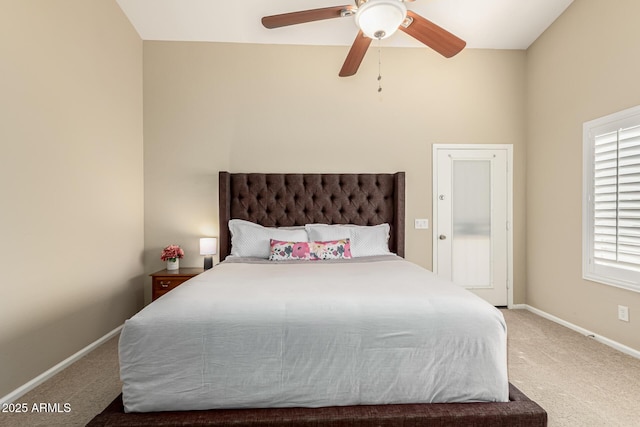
point(285, 200)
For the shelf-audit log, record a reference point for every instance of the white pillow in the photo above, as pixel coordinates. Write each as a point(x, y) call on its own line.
point(365, 240)
point(253, 240)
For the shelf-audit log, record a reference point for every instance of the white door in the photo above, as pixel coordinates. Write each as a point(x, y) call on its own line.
point(472, 214)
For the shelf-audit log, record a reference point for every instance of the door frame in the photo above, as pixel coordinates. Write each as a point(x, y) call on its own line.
point(509, 225)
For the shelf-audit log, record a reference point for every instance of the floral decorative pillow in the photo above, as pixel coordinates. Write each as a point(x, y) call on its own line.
point(331, 249)
point(284, 251)
point(302, 251)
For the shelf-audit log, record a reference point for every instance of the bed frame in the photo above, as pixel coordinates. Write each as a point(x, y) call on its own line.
point(520, 411)
point(296, 199)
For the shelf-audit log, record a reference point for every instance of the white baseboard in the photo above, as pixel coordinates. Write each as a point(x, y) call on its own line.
point(20, 391)
point(611, 343)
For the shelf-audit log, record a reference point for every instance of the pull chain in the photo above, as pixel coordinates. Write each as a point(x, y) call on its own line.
point(379, 68)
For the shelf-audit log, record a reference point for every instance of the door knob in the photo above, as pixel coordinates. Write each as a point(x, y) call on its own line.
point(442, 237)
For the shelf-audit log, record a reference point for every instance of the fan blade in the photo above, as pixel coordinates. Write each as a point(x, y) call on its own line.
point(282, 20)
point(355, 56)
point(437, 38)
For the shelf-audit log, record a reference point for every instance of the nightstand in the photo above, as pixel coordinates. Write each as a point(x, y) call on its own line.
point(164, 280)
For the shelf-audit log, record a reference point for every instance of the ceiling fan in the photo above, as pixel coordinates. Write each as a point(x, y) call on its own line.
point(376, 19)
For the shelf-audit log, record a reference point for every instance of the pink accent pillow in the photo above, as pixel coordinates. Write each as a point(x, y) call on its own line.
point(332, 249)
point(284, 251)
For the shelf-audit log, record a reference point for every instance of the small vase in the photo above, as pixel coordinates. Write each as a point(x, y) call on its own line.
point(173, 265)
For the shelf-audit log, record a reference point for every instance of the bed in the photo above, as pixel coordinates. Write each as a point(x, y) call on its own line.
point(373, 331)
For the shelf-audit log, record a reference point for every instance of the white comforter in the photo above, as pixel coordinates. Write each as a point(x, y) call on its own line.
point(310, 334)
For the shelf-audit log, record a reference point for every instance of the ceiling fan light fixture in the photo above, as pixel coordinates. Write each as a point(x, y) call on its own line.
point(378, 19)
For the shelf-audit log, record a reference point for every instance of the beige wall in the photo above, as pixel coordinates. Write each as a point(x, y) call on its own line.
point(585, 66)
point(72, 185)
point(265, 108)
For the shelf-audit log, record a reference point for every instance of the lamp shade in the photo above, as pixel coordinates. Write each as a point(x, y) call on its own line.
point(208, 246)
point(378, 19)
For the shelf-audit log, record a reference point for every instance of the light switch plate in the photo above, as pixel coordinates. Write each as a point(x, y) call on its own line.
point(421, 224)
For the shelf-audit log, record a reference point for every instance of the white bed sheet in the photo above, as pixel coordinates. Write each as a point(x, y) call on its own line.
point(311, 334)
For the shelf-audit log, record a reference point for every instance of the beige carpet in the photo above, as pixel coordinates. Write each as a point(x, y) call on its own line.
point(88, 386)
point(579, 381)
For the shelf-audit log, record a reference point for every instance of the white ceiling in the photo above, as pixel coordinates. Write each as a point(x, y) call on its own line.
point(483, 24)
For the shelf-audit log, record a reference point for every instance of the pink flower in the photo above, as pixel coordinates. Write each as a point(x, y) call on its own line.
point(300, 250)
point(171, 253)
point(347, 249)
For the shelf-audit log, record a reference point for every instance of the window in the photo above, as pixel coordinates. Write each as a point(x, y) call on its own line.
point(611, 200)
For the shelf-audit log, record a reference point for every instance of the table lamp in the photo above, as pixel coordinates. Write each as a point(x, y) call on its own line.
point(208, 247)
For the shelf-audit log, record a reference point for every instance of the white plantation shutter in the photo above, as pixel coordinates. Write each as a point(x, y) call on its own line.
point(611, 220)
point(617, 198)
